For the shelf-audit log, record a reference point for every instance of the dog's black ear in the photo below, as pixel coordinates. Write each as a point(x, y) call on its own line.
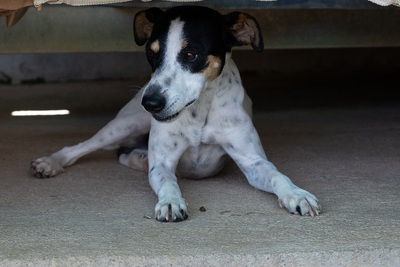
point(143, 24)
point(243, 29)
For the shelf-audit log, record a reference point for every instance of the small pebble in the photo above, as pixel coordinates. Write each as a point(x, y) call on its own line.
point(202, 208)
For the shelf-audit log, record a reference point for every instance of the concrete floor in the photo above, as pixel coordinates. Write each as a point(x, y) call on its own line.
point(97, 212)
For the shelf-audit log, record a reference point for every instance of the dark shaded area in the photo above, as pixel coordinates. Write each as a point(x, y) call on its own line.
point(345, 91)
point(322, 77)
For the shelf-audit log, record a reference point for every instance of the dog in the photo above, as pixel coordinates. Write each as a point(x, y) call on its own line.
point(193, 114)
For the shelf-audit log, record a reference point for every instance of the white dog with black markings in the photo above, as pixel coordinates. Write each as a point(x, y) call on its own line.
point(196, 112)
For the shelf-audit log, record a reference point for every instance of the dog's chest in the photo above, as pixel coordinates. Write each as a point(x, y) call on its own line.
point(194, 119)
point(218, 109)
point(213, 120)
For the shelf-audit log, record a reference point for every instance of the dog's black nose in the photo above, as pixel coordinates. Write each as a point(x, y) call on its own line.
point(153, 103)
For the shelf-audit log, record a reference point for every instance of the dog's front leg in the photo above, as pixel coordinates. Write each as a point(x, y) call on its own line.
point(244, 146)
point(164, 153)
point(171, 206)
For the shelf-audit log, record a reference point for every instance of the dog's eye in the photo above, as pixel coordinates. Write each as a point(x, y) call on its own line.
point(190, 56)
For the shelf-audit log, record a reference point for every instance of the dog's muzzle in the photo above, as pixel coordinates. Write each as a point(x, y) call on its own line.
point(156, 104)
point(153, 103)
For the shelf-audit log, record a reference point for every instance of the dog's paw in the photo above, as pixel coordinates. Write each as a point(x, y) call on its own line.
point(301, 202)
point(135, 159)
point(171, 210)
point(45, 167)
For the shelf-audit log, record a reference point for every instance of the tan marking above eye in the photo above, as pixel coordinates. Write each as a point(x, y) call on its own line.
point(213, 68)
point(184, 44)
point(155, 46)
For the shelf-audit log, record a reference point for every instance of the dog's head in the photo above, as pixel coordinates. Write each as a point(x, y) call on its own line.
point(186, 48)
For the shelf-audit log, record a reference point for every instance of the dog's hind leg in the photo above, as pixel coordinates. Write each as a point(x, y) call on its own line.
point(129, 126)
point(135, 157)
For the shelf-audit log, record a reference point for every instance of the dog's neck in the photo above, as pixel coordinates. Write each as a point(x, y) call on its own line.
point(229, 71)
point(228, 80)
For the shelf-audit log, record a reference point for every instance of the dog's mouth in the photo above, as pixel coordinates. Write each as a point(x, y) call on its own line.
point(171, 117)
point(165, 119)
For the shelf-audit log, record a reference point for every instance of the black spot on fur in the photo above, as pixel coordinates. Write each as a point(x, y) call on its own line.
point(298, 209)
point(230, 146)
